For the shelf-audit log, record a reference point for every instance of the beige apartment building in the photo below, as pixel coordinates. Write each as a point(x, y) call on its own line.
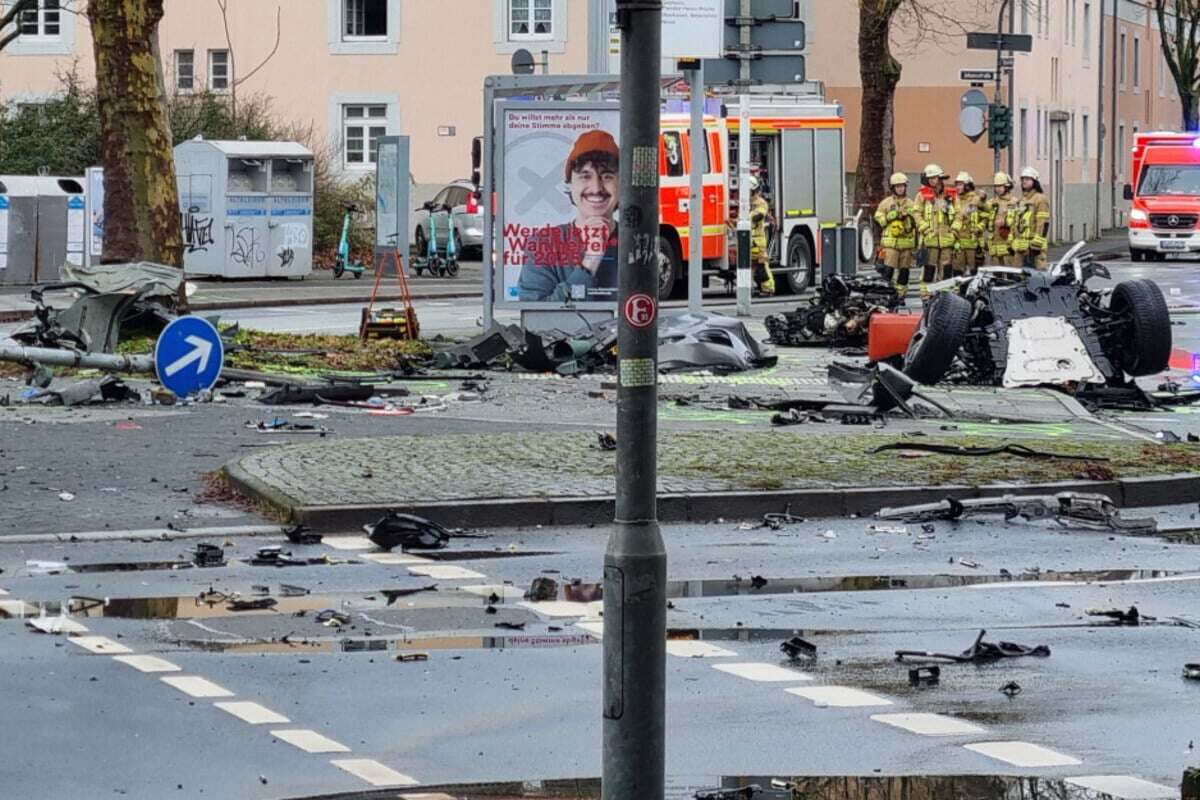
point(359, 69)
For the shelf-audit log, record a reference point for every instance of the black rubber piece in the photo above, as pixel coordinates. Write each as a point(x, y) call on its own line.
point(1148, 350)
point(935, 344)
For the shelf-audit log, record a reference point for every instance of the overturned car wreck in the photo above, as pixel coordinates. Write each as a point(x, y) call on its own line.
point(839, 315)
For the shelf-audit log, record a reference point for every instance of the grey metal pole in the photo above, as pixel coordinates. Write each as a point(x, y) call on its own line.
point(1112, 128)
point(999, 61)
point(1012, 95)
point(489, 220)
point(1099, 120)
point(745, 280)
point(696, 194)
point(74, 358)
point(635, 563)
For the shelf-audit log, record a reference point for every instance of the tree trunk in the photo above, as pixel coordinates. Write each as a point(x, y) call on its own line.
point(1187, 103)
point(880, 73)
point(141, 199)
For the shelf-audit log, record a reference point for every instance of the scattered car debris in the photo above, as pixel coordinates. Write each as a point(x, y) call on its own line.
point(1011, 689)
point(1192, 671)
point(924, 676)
point(408, 532)
point(280, 425)
point(542, 589)
point(290, 590)
point(1129, 617)
point(1089, 510)
point(208, 555)
point(838, 315)
point(776, 521)
point(510, 626)
point(256, 604)
point(579, 592)
point(393, 595)
point(741, 793)
point(797, 649)
point(300, 534)
point(275, 556)
point(44, 568)
point(331, 616)
point(606, 441)
point(404, 658)
point(796, 416)
point(969, 564)
point(1019, 450)
point(979, 652)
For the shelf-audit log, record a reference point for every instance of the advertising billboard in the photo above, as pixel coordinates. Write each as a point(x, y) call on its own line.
point(559, 171)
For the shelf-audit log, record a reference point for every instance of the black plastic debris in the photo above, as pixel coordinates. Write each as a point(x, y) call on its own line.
point(408, 532)
point(741, 793)
point(758, 582)
point(1192, 671)
point(977, 653)
point(332, 615)
point(776, 521)
point(208, 555)
point(797, 649)
point(511, 626)
point(1011, 689)
point(924, 676)
point(1130, 617)
point(606, 441)
point(542, 589)
point(300, 534)
point(256, 604)
point(275, 556)
point(393, 595)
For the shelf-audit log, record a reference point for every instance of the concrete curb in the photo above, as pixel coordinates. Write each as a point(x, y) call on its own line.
point(706, 507)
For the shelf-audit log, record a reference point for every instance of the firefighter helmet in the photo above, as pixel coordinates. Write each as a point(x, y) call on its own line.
point(898, 179)
point(934, 171)
point(1030, 172)
point(964, 177)
point(1002, 179)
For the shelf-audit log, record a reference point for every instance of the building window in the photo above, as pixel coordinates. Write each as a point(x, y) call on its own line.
point(1054, 84)
point(530, 19)
point(1072, 134)
point(185, 70)
point(364, 20)
point(362, 125)
point(44, 21)
point(219, 78)
point(1087, 31)
point(1074, 21)
point(1039, 17)
point(1121, 60)
point(1024, 17)
point(1086, 146)
point(1024, 135)
point(1137, 63)
point(1121, 150)
point(1037, 133)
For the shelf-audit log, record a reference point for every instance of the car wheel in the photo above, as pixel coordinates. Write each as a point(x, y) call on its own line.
point(1146, 350)
point(935, 344)
point(799, 259)
point(668, 269)
point(1136, 255)
point(1159, 256)
point(866, 242)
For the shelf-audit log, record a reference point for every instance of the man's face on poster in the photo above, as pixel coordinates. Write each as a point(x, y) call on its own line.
point(594, 190)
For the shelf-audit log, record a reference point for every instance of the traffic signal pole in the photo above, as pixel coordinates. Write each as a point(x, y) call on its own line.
point(635, 563)
point(999, 62)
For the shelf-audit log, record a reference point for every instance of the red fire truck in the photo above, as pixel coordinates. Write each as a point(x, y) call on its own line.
point(797, 152)
point(1165, 195)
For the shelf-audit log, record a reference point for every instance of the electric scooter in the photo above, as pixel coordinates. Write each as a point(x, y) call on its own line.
point(435, 262)
point(342, 263)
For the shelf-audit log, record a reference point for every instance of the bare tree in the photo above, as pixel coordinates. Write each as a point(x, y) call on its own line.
point(141, 199)
point(1179, 24)
point(12, 19)
point(239, 80)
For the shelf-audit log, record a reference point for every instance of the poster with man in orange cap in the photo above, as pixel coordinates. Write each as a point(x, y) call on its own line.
point(560, 227)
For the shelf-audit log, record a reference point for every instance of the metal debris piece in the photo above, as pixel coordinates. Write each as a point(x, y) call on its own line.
point(408, 532)
point(542, 589)
point(510, 626)
point(776, 521)
point(1130, 617)
point(299, 534)
point(606, 441)
point(1089, 510)
point(257, 604)
point(924, 676)
point(1019, 450)
point(979, 652)
point(393, 595)
point(332, 615)
point(838, 315)
point(1192, 671)
point(208, 555)
point(1011, 689)
point(741, 793)
point(406, 657)
point(797, 649)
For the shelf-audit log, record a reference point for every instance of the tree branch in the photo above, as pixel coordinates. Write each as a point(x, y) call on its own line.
point(11, 17)
point(274, 50)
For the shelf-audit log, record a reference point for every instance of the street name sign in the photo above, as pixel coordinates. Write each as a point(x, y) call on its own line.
point(189, 356)
point(1013, 42)
point(977, 75)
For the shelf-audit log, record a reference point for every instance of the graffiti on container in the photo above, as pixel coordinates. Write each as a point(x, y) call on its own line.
point(197, 232)
point(294, 236)
point(286, 256)
point(245, 248)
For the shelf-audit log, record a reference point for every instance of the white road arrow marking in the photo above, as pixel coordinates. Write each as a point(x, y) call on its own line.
point(201, 350)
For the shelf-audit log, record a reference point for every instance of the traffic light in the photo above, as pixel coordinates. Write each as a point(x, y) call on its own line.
point(999, 127)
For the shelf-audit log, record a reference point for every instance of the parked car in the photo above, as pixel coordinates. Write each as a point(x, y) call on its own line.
point(460, 196)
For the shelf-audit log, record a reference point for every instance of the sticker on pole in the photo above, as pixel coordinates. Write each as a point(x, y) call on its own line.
point(640, 310)
point(189, 356)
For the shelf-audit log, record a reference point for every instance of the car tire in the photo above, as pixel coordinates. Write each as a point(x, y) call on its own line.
point(668, 269)
point(1147, 348)
point(933, 347)
point(866, 241)
point(1158, 256)
point(799, 258)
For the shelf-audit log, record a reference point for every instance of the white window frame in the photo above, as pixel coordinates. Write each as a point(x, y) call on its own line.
point(40, 13)
point(531, 6)
point(212, 72)
point(191, 87)
point(374, 37)
point(370, 127)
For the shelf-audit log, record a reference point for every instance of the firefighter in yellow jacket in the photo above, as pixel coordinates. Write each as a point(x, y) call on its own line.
point(970, 215)
point(760, 215)
point(1001, 216)
point(899, 240)
point(934, 213)
point(1032, 221)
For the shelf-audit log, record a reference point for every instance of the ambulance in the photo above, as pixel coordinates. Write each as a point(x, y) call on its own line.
point(797, 151)
point(1165, 195)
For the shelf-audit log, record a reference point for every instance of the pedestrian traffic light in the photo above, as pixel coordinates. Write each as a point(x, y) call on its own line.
point(999, 126)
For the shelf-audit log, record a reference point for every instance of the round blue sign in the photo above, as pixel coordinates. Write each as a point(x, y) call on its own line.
point(189, 356)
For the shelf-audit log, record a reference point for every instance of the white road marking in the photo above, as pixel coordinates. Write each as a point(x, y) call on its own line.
point(763, 673)
point(426, 797)
point(310, 741)
point(15, 608)
point(394, 558)
point(196, 686)
point(349, 542)
point(930, 724)
point(374, 773)
point(594, 628)
point(559, 608)
point(1023, 754)
point(147, 663)
point(3, 593)
point(55, 625)
point(838, 696)
point(253, 713)
point(446, 572)
point(693, 649)
point(100, 645)
point(1126, 787)
point(503, 592)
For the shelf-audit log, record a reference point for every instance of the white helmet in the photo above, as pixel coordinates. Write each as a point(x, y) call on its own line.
point(1030, 172)
point(753, 183)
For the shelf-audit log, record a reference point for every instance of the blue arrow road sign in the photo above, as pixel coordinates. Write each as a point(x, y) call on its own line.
point(189, 356)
